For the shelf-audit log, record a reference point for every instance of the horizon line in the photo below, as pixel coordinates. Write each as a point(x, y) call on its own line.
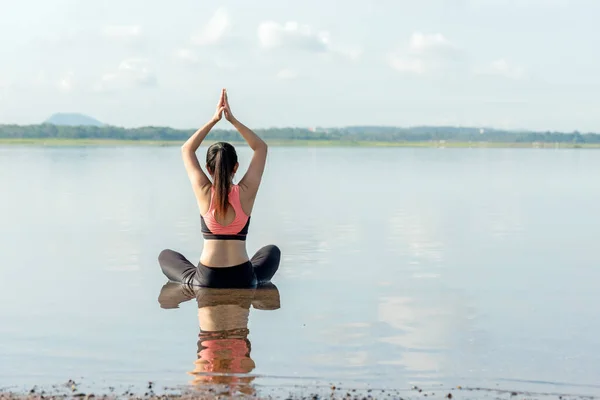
point(318, 127)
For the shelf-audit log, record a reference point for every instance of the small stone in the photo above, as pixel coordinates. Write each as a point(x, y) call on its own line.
point(449, 396)
point(514, 394)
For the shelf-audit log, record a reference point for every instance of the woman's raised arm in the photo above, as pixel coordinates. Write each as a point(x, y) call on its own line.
point(198, 178)
point(252, 178)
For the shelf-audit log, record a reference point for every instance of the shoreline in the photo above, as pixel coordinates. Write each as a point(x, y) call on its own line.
point(304, 392)
point(298, 143)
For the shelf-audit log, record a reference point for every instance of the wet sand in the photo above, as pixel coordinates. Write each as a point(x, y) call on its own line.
point(70, 390)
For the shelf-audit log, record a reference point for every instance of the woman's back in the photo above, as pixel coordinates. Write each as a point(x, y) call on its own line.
point(225, 235)
point(233, 223)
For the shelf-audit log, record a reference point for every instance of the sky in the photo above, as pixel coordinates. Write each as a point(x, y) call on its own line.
point(511, 64)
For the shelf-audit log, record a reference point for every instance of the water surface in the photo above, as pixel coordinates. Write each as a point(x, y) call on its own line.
point(434, 267)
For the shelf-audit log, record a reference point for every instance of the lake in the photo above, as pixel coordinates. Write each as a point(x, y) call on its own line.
point(400, 267)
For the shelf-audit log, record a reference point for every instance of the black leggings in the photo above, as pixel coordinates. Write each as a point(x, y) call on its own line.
point(260, 269)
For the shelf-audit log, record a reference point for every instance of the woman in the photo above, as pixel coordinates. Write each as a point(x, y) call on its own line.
point(225, 210)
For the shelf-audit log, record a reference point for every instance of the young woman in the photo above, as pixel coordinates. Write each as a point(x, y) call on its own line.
point(225, 210)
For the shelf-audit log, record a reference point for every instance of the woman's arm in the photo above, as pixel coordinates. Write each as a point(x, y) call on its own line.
point(252, 178)
point(198, 178)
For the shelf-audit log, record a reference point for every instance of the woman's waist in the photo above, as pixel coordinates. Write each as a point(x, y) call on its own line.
point(223, 253)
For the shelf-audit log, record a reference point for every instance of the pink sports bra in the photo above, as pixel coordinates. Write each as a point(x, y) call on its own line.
point(236, 230)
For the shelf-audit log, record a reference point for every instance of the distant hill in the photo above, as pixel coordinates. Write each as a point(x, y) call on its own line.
point(72, 119)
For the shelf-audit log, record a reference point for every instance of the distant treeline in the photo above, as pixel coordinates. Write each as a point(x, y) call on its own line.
point(356, 133)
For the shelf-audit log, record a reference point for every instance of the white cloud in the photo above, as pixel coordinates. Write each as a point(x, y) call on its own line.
point(131, 73)
point(421, 43)
point(273, 35)
point(215, 30)
point(352, 53)
point(425, 53)
point(408, 65)
point(187, 56)
point(190, 57)
point(287, 74)
point(295, 36)
point(225, 64)
point(504, 68)
point(122, 31)
point(65, 84)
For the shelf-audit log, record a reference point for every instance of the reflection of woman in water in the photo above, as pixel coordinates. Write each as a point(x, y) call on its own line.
point(223, 345)
point(225, 210)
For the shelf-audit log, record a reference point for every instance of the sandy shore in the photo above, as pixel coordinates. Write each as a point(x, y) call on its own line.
point(69, 391)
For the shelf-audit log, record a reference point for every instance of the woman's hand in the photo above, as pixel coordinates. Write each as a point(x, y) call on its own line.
point(220, 108)
point(227, 110)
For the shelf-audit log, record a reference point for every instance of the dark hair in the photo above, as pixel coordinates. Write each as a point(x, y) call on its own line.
point(221, 159)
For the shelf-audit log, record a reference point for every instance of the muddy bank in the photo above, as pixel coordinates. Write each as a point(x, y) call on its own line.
point(70, 390)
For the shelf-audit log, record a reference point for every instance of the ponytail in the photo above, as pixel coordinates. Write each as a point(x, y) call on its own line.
point(221, 159)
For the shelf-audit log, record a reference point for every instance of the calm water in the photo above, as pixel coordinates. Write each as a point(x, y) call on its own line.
point(400, 266)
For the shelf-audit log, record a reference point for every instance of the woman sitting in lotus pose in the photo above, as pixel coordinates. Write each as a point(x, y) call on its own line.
point(225, 210)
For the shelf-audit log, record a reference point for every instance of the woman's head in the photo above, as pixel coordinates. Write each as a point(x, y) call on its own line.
point(221, 163)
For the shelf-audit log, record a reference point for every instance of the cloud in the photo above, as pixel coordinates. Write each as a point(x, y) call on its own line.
point(131, 73)
point(190, 57)
point(431, 45)
point(410, 65)
point(187, 56)
point(503, 68)
point(215, 30)
point(225, 64)
point(287, 74)
point(351, 53)
point(295, 36)
point(66, 83)
point(122, 31)
point(272, 35)
point(425, 53)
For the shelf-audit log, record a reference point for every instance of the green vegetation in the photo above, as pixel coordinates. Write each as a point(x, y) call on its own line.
point(48, 134)
point(297, 143)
